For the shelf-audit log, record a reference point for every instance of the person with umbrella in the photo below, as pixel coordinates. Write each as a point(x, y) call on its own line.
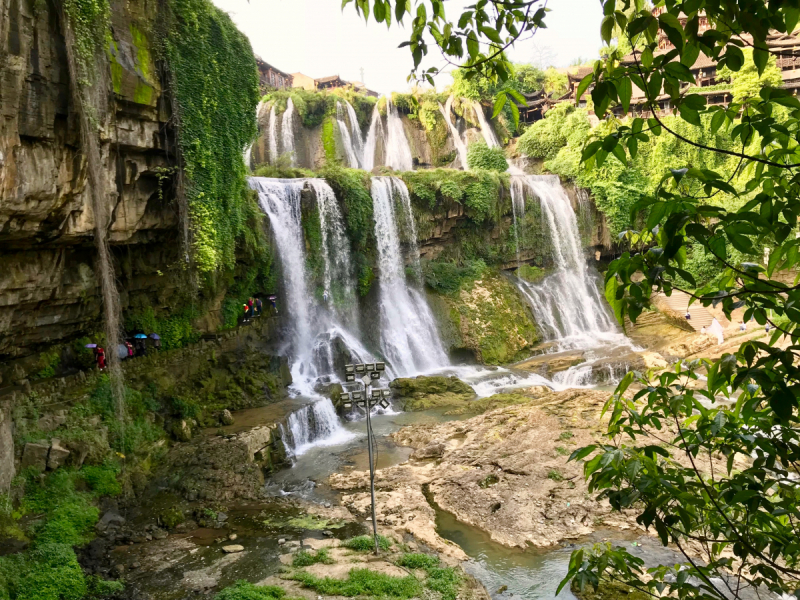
point(139, 341)
point(156, 340)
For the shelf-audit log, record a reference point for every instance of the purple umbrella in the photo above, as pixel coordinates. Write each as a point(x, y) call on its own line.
point(155, 336)
point(90, 346)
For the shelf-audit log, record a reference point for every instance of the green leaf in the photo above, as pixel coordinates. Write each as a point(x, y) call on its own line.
point(582, 453)
point(734, 58)
point(499, 103)
point(607, 29)
point(678, 174)
point(379, 11)
point(514, 114)
point(760, 58)
point(619, 151)
point(717, 120)
point(657, 212)
point(680, 71)
point(624, 91)
point(585, 82)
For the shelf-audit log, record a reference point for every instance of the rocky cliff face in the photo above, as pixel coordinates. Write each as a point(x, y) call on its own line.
point(48, 289)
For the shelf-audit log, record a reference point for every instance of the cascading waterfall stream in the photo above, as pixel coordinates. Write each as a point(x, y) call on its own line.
point(350, 138)
point(374, 134)
point(567, 304)
point(409, 336)
point(287, 130)
point(486, 130)
point(461, 147)
point(338, 276)
point(398, 152)
point(313, 425)
point(248, 150)
point(273, 135)
point(320, 343)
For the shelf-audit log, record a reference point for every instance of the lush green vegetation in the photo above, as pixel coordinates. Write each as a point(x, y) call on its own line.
point(563, 124)
point(448, 277)
point(481, 157)
point(362, 582)
point(366, 543)
point(444, 580)
point(60, 512)
point(314, 107)
point(244, 590)
point(304, 558)
point(214, 81)
point(726, 180)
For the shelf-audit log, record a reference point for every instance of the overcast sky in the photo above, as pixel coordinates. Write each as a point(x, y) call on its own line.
point(316, 38)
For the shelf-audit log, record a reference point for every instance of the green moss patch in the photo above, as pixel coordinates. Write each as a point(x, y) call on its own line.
point(362, 582)
point(422, 393)
point(493, 320)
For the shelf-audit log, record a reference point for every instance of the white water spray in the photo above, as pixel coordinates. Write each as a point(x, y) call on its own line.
point(409, 337)
point(567, 304)
point(374, 134)
point(319, 339)
point(486, 128)
point(287, 130)
point(350, 138)
point(398, 152)
point(461, 147)
point(313, 425)
point(273, 136)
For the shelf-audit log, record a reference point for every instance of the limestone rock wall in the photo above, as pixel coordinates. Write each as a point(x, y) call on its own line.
point(48, 291)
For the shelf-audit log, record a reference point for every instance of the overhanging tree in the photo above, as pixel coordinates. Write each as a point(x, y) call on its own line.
point(713, 465)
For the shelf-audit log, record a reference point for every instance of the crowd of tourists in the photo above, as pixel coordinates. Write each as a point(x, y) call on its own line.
point(140, 344)
point(137, 345)
point(254, 307)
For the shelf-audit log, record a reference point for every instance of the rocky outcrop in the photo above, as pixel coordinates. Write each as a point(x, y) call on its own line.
point(490, 320)
point(505, 471)
point(48, 288)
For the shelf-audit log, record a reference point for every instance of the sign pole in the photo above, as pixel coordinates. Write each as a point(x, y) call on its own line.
point(371, 468)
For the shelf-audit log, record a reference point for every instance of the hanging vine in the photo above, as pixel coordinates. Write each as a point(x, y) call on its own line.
point(214, 83)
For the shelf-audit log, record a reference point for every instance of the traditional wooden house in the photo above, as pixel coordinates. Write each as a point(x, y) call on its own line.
point(271, 78)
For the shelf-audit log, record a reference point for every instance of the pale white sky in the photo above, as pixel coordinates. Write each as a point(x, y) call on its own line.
point(316, 38)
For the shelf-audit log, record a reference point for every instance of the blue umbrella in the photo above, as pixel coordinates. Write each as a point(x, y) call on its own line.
point(90, 346)
point(155, 336)
point(140, 336)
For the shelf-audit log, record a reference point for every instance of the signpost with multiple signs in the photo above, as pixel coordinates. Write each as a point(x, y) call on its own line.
point(368, 374)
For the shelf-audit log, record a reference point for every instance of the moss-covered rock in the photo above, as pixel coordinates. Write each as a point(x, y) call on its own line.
point(421, 393)
point(607, 591)
point(482, 405)
point(493, 321)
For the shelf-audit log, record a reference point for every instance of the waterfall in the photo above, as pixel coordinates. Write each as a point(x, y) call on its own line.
point(321, 343)
point(348, 141)
point(409, 337)
point(517, 209)
point(486, 128)
point(287, 129)
point(338, 276)
point(273, 137)
point(567, 304)
point(313, 425)
point(371, 144)
point(248, 150)
point(461, 147)
point(398, 152)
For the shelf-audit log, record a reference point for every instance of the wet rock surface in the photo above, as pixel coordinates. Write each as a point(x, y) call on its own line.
point(505, 472)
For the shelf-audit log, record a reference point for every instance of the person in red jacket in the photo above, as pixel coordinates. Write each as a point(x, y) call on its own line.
point(100, 355)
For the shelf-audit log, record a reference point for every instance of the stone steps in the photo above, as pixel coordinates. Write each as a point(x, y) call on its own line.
point(701, 317)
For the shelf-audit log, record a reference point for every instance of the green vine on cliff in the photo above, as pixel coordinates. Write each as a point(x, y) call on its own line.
point(213, 76)
point(90, 21)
